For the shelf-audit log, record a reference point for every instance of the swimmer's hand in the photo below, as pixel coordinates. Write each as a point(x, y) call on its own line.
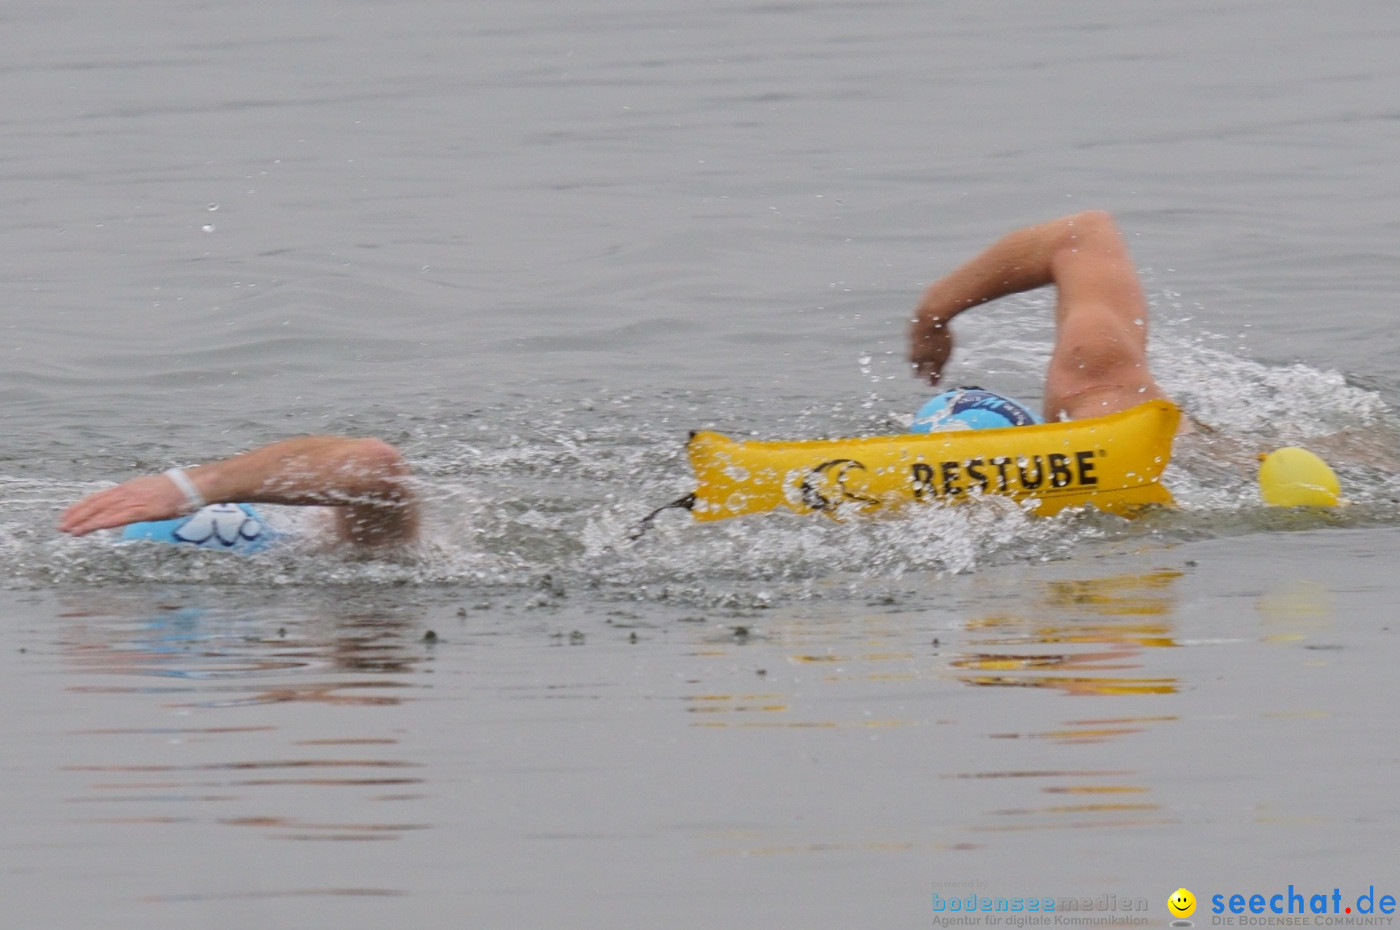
point(155, 497)
point(930, 345)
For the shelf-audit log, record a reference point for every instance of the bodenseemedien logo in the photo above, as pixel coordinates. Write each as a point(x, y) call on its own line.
point(1108, 911)
point(974, 903)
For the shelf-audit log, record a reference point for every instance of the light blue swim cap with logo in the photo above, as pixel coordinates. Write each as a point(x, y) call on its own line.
point(970, 408)
point(230, 527)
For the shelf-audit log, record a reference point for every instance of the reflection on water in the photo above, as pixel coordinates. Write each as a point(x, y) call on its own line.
point(866, 650)
point(1294, 611)
point(1082, 637)
point(269, 776)
point(1124, 614)
point(748, 844)
point(270, 895)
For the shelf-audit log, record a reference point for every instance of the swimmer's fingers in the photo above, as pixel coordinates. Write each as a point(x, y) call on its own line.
point(928, 370)
point(98, 512)
point(930, 373)
point(151, 498)
point(930, 346)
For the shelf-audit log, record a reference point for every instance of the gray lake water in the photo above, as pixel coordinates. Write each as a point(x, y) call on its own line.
point(534, 244)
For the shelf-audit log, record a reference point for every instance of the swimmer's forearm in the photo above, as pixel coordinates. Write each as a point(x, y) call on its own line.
point(308, 470)
point(1019, 261)
point(366, 479)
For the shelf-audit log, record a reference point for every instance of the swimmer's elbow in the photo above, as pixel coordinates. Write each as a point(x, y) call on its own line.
point(381, 468)
point(1092, 222)
point(381, 456)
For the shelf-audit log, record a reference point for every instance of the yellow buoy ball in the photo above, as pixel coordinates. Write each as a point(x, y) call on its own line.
point(1293, 477)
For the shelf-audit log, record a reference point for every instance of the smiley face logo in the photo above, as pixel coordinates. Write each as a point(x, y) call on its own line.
point(1182, 903)
point(835, 483)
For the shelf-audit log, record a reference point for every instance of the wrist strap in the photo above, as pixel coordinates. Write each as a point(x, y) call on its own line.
point(186, 486)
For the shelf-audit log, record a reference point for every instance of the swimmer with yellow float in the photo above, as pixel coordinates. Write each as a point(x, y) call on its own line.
point(1105, 440)
point(1107, 430)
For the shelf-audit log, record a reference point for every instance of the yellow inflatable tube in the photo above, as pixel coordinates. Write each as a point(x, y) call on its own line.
point(1113, 463)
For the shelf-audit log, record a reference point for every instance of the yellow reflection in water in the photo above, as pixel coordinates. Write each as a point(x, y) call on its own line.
point(1082, 637)
point(1294, 612)
point(845, 652)
point(1090, 637)
point(1125, 613)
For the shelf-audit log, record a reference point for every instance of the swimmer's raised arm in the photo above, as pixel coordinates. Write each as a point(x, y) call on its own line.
point(1020, 261)
point(1100, 359)
point(366, 480)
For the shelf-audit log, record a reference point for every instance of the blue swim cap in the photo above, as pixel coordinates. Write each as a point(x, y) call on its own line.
point(970, 408)
point(234, 527)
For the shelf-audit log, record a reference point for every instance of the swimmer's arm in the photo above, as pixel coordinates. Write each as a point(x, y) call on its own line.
point(1019, 261)
point(1023, 260)
point(366, 480)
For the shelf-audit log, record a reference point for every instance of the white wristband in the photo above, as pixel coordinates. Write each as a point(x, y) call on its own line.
point(186, 486)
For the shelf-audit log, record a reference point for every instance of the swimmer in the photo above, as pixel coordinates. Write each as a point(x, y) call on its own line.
point(365, 483)
point(1099, 363)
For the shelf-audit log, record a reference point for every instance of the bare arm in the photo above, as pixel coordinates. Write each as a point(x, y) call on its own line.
point(1082, 254)
point(1017, 262)
point(365, 479)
